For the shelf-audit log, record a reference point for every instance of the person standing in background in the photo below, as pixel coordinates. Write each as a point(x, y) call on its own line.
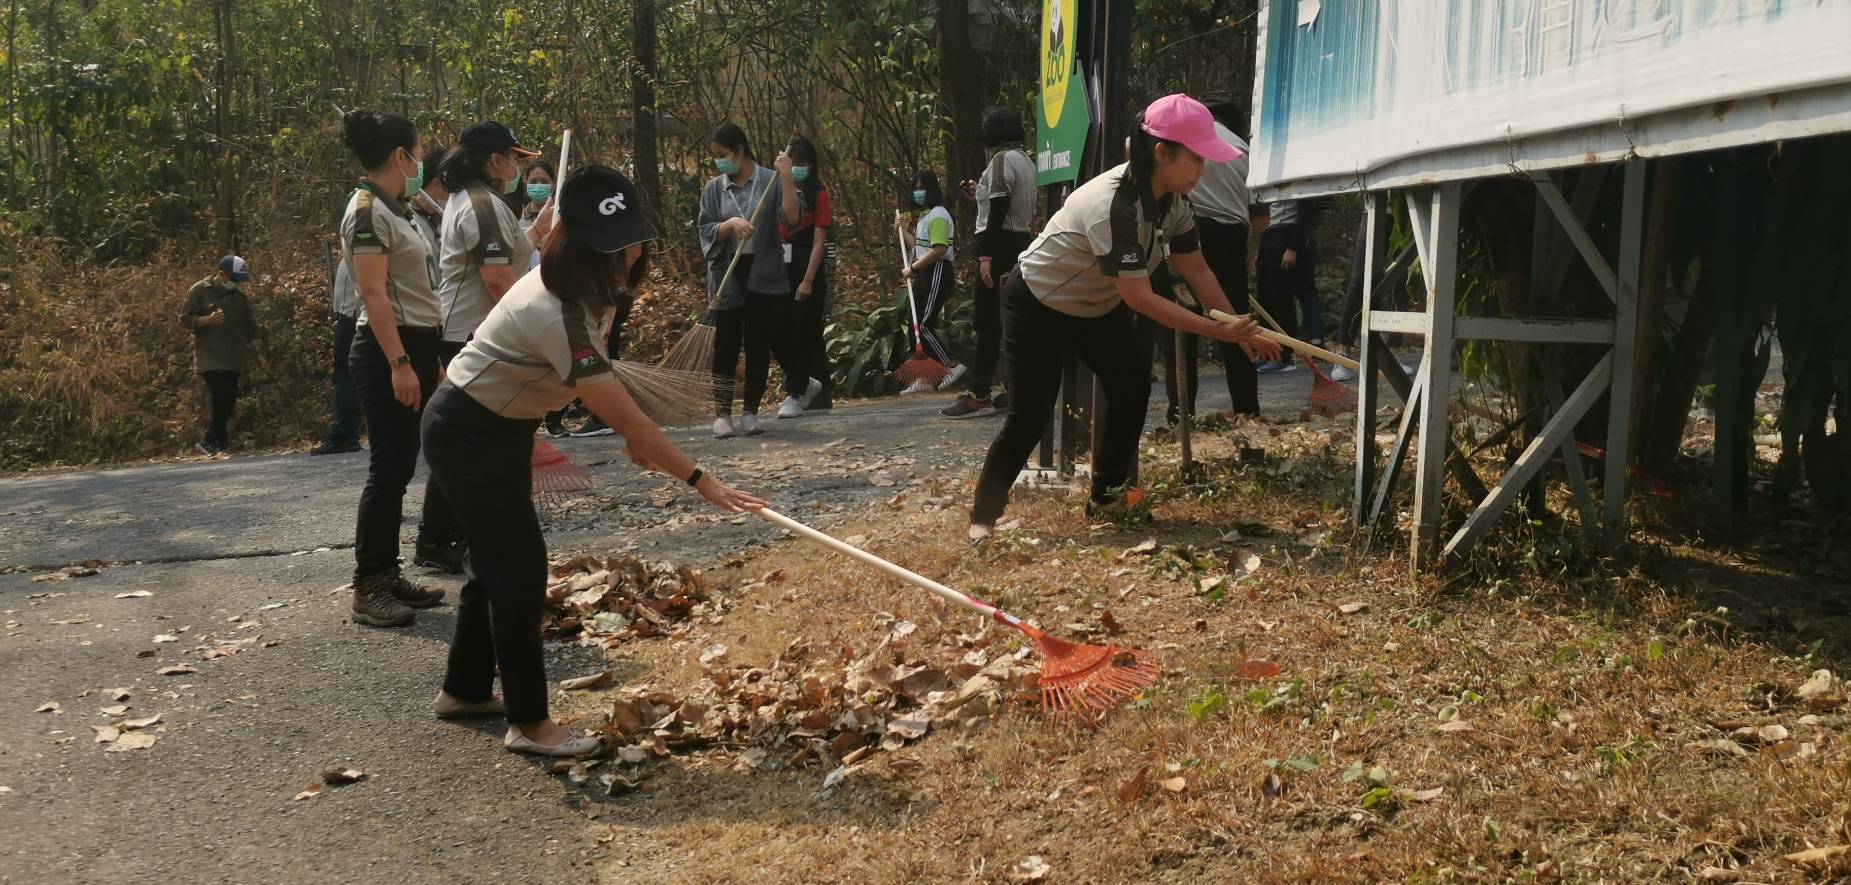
point(429, 201)
point(1223, 213)
point(220, 317)
point(1005, 196)
point(344, 302)
point(808, 245)
point(1288, 273)
point(930, 275)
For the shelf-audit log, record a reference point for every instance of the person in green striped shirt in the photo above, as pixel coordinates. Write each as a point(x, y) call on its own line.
point(930, 250)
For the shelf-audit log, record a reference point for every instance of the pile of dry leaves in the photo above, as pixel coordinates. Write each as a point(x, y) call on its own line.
point(833, 709)
point(608, 600)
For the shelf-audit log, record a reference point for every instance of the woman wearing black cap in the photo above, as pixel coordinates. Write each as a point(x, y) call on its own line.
point(1079, 286)
point(542, 345)
point(394, 354)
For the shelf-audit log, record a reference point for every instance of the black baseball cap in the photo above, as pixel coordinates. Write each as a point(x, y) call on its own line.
point(601, 211)
point(494, 136)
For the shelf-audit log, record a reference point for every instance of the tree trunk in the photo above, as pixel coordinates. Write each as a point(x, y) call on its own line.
point(222, 155)
point(646, 152)
point(958, 71)
point(12, 100)
point(1660, 229)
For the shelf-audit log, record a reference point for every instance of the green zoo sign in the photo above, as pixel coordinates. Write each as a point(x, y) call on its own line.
point(1061, 115)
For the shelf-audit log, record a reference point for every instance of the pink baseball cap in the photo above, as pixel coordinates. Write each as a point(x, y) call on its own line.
point(1182, 119)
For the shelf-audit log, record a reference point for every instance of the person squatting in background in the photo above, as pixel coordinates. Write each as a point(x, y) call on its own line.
point(223, 329)
point(394, 355)
point(930, 276)
point(1005, 196)
point(754, 311)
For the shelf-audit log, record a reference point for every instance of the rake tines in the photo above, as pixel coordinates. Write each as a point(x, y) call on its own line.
point(554, 473)
point(1077, 677)
point(1327, 396)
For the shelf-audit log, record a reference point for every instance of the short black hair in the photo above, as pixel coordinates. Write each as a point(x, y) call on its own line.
point(728, 135)
point(373, 137)
point(433, 161)
point(927, 180)
point(467, 165)
point(1003, 126)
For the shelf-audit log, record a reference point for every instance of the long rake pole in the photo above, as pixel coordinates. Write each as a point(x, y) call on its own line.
point(727, 277)
point(1274, 335)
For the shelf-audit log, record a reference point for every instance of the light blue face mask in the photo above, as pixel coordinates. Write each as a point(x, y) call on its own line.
point(726, 165)
point(539, 191)
point(919, 198)
point(800, 173)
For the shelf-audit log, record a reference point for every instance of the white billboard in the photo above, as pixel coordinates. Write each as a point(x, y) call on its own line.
point(1357, 94)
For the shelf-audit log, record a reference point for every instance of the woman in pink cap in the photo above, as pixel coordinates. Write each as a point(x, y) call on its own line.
point(1079, 284)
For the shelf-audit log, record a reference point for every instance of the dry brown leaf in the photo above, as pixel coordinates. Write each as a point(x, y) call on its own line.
point(1454, 726)
point(106, 733)
point(335, 777)
point(134, 594)
point(1029, 869)
point(138, 724)
point(178, 670)
point(1174, 784)
point(1350, 608)
point(1720, 747)
point(1271, 786)
point(310, 792)
point(114, 710)
point(1110, 623)
point(134, 740)
point(1818, 855)
point(1132, 789)
point(1426, 795)
point(48, 707)
point(585, 683)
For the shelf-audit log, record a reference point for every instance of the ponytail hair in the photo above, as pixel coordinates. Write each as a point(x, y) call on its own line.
point(373, 137)
point(1141, 165)
point(728, 135)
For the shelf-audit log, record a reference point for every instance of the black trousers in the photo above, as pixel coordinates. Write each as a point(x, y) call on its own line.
point(1035, 340)
point(987, 310)
point(346, 425)
point(222, 384)
point(1286, 292)
point(930, 291)
point(762, 328)
point(809, 316)
point(1224, 247)
point(394, 458)
point(484, 464)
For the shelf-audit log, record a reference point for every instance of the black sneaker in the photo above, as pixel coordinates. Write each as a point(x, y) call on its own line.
point(442, 557)
point(967, 406)
point(336, 447)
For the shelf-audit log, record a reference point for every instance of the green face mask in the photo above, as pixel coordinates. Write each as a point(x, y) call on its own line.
point(727, 165)
point(538, 192)
point(919, 198)
point(414, 183)
point(800, 173)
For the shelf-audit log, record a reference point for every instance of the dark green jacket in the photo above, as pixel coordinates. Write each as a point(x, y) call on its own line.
point(224, 347)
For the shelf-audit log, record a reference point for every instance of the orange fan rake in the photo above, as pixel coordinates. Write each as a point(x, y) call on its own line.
point(1074, 677)
point(920, 366)
point(556, 474)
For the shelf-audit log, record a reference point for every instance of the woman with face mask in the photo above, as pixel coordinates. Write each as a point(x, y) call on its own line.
point(539, 186)
point(929, 274)
point(810, 242)
point(1080, 285)
point(394, 356)
point(540, 347)
point(754, 311)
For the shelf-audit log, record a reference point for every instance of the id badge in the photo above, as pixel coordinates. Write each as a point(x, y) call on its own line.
point(787, 253)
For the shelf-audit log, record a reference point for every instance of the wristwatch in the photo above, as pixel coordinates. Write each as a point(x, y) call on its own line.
point(403, 359)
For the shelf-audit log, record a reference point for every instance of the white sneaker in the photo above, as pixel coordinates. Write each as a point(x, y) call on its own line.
point(951, 377)
point(1342, 373)
point(790, 408)
point(809, 395)
point(722, 428)
point(748, 425)
point(920, 386)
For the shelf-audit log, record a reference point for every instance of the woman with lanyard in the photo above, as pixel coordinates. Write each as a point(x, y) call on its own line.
point(810, 242)
point(1078, 286)
point(929, 274)
point(540, 347)
point(1005, 196)
point(754, 311)
point(394, 356)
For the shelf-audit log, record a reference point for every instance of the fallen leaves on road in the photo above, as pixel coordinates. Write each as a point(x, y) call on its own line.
point(1032, 868)
point(132, 740)
point(333, 777)
point(49, 707)
point(610, 600)
point(177, 670)
point(585, 683)
point(134, 594)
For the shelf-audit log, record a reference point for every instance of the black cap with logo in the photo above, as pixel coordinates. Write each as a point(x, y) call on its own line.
point(493, 135)
point(600, 210)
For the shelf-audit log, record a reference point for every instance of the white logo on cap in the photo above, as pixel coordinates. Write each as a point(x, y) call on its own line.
point(611, 204)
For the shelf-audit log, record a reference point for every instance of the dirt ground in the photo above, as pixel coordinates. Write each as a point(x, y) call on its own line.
point(1549, 711)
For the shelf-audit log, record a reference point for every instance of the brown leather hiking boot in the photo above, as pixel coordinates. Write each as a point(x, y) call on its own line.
point(409, 592)
point(375, 606)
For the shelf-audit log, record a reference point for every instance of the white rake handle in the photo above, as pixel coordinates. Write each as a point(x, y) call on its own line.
point(899, 231)
point(853, 552)
point(559, 182)
point(1294, 343)
point(738, 248)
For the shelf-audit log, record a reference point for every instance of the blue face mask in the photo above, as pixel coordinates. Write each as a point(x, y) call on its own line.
point(538, 192)
point(800, 173)
point(919, 198)
point(727, 165)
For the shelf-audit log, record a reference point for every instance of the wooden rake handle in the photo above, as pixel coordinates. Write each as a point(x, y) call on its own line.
point(738, 248)
point(853, 552)
point(1294, 343)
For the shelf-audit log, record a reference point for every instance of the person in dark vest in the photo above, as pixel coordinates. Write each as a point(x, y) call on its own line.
point(223, 329)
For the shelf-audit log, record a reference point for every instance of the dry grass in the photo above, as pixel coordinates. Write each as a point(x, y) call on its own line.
point(1582, 695)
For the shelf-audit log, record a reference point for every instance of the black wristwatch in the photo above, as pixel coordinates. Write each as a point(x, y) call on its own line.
point(694, 479)
point(403, 359)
